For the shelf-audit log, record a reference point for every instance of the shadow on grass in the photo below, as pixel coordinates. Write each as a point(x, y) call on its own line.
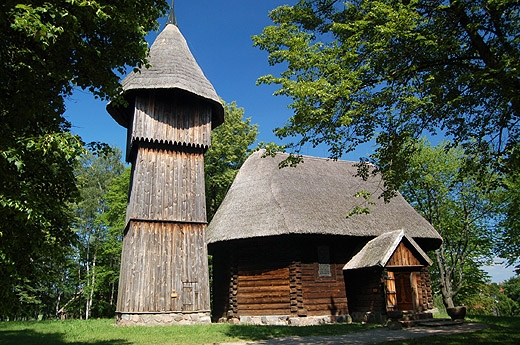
point(31, 337)
point(256, 333)
point(500, 330)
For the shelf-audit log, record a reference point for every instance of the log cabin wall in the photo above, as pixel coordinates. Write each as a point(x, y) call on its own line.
point(263, 291)
point(279, 276)
point(322, 276)
point(425, 292)
point(162, 266)
point(224, 279)
point(365, 291)
point(263, 279)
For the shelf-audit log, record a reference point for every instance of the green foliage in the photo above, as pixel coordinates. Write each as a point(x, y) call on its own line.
point(358, 71)
point(102, 185)
point(460, 209)
point(509, 240)
point(229, 150)
point(48, 49)
point(511, 289)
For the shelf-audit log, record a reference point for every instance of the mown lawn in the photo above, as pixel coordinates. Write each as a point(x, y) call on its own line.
point(501, 330)
point(104, 332)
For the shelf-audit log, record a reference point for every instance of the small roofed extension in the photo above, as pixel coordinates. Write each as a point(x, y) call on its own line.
point(285, 252)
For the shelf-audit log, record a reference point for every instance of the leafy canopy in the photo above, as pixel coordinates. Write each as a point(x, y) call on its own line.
point(229, 149)
point(49, 48)
point(465, 215)
point(392, 71)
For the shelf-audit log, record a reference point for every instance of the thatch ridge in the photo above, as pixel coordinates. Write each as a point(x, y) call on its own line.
point(172, 67)
point(312, 198)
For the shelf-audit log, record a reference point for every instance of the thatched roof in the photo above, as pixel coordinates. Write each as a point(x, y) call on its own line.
point(172, 67)
point(379, 250)
point(312, 198)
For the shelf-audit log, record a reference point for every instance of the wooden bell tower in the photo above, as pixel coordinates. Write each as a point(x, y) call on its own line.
point(171, 110)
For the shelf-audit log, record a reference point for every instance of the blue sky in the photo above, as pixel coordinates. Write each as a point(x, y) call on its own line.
point(219, 36)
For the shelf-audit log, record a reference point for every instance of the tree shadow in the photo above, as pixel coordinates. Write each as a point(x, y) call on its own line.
point(263, 332)
point(30, 337)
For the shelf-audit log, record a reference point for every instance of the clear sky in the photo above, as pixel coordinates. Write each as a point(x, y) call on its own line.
point(219, 36)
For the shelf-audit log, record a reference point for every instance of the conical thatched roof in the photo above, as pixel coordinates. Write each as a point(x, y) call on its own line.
point(172, 67)
point(312, 198)
point(379, 250)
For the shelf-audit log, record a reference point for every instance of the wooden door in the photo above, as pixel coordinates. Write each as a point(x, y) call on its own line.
point(401, 291)
point(391, 294)
point(189, 296)
point(404, 291)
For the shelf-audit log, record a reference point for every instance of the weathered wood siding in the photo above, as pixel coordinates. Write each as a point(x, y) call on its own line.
point(164, 264)
point(172, 118)
point(403, 256)
point(263, 291)
point(278, 276)
point(163, 267)
point(324, 296)
point(167, 185)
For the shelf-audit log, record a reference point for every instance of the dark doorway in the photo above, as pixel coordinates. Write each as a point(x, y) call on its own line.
point(404, 291)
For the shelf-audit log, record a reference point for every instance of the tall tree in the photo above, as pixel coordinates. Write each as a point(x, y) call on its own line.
point(114, 219)
point(95, 175)
point(391, 71)
point(47, 49)
point(464, 213)
point(509, 239)
point(229, 149)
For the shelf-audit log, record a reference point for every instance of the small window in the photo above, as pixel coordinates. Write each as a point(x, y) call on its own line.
point(324, 262)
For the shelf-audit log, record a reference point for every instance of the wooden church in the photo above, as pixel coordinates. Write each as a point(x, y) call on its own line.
point(285, 252)
point(171, 110)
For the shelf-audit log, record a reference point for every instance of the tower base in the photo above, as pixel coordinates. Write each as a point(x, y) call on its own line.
point(167, 318)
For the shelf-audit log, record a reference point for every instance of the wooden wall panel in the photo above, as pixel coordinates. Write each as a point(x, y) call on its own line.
point(403, 257)
point(164, 268)
point(263, 291)
point(250, 271)
point(167, 186)
point(172, 119)
point(365, 290)
point(322, 296)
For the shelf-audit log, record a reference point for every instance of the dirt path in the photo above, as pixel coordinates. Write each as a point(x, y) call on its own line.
point(377, 335)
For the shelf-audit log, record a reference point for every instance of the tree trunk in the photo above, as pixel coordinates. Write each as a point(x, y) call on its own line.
point(446, 288)
point(91, 296)
point(87, 264)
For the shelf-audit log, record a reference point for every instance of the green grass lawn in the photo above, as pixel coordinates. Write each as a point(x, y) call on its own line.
point(501, 330)
point(103, 332)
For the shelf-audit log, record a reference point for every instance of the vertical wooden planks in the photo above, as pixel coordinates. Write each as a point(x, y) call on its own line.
point(164, 264)
point(183, 173)
point(184, 123)
point(149, 282)
point(403, 257)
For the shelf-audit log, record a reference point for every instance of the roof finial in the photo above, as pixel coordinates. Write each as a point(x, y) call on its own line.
point(171, 17)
